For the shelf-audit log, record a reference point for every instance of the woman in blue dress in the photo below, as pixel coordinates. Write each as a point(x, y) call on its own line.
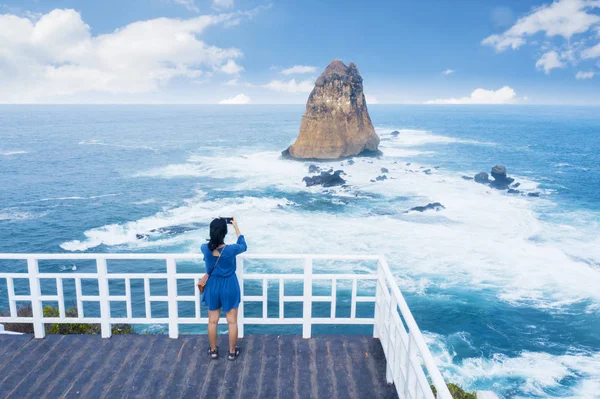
point(222, 290)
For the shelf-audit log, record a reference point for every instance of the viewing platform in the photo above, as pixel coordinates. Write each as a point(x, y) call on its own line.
point(392, 361)
point(154, 366)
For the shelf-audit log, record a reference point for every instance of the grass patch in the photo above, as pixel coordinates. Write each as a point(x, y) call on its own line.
point(61, 328)
point(457, 392)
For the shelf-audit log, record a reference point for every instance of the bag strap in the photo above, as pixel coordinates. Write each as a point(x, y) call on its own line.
point(217, 262)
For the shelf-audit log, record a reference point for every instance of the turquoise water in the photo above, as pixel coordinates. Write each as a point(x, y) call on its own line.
point(505, 287)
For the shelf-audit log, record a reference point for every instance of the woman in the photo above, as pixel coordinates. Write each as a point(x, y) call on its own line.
point(222, 290)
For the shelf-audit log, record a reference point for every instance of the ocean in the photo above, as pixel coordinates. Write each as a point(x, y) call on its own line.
point(505, 287)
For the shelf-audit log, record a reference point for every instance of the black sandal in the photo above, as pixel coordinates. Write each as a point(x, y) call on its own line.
point(234, 355)
point(214, 354)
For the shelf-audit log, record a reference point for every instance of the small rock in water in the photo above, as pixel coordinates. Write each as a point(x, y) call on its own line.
point(141, 236)
point(381, 178)
point(313, 169)
point(171, 230)
point(408, 164)
point(372, 181)
point(467, 177)
point(482, 178)
point(516, 185)
point(427, 171)
point(513, 191)
point(325, 179)
point(433, 206)
point(395, 133)
point(351, 162)
point(436, 167)
point(533, 194)
point(384, 170)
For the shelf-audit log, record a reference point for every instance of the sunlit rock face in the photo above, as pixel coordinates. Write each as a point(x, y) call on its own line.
point(336, 123)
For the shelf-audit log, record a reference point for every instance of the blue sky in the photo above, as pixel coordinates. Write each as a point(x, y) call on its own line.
point(239, 51)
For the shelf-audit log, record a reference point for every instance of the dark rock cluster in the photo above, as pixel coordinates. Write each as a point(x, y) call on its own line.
point(501, 181)
point(436, 206)
point(325, 179)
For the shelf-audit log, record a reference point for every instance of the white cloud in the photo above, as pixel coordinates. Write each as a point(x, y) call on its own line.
point(57, 55)
point(592, 52)
point(231, 68)
point(448, 72)
point(292, 86)
point(239, 99)
point(549, 61)
point(505, 95)
point(584, 75)
point(222, 4)
point(561, 18)
point(299, 69)
point(189, 4)
point(232, 82)
point(371, 99)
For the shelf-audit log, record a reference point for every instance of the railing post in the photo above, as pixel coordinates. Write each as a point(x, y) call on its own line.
point(408, 362)
point(240, 276)
point(307, 312)
point(36, 304)
point(105, 327)
point(388, 369)
point(172, 296)
point(378, 293)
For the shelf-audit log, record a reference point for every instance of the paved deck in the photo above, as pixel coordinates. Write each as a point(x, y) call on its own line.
point(146, 366)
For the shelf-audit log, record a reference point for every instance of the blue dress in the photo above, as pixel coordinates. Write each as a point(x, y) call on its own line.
point(222, 289)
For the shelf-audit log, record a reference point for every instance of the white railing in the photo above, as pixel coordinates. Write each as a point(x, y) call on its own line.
point(409, 362)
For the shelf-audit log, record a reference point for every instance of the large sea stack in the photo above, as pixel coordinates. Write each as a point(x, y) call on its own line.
point(336, 123)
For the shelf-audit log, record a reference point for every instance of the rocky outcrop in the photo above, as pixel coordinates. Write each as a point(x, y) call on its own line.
point(336, 123)
point(432, 206)
point(395, 133)
point(313, 169)
point(482, 178)
point(501, 181)
point(325, 179)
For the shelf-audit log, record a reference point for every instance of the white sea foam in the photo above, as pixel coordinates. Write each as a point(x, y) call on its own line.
point(195, 210)
point(72, 198)
point(535, 373)
point(483, 238)
point(260, 169)
point(12, 215)
point(135, 147)
point(569, 166)
point(144, 202)
point(416, 137)
point(9, 153)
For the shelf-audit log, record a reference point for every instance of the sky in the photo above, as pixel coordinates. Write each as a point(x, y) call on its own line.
point(271, 52)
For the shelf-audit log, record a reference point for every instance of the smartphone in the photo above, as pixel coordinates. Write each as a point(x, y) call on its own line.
point(228, 220)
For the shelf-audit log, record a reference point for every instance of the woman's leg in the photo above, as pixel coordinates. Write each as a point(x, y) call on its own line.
point(213, 321)
point(233, 328)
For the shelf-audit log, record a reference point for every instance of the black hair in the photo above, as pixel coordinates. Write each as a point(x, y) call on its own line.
point(218, 231)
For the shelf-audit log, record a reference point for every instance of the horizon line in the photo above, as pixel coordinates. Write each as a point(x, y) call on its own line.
point(251, 104)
